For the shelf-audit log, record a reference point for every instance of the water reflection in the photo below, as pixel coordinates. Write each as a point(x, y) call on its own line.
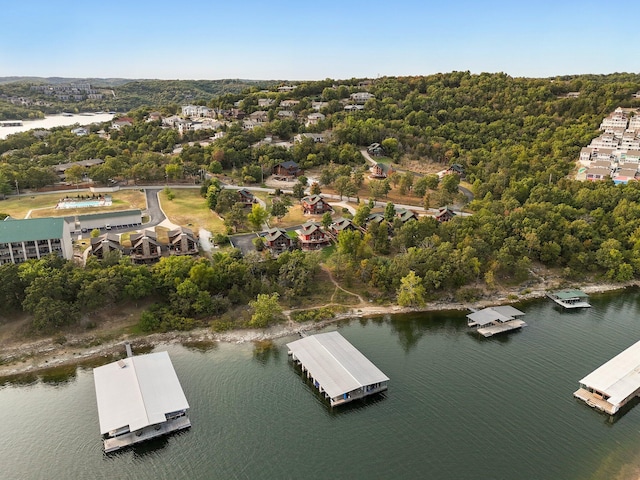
point(201, 346)
point(264, 351)
point(411, 327)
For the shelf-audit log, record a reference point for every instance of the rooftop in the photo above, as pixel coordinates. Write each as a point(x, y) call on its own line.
point(336, 364)
point(31, 229)
point(137, 391)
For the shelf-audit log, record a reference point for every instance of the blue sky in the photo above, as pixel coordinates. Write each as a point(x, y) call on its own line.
point(302, 40)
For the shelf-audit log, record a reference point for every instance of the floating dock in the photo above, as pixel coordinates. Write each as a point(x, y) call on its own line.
point(613, 384)
point(139, 398)
point(339, 371)
point(493, 320)
point(570, 298)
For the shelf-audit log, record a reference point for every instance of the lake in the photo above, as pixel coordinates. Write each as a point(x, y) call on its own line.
point(57, 121)
point(458, 407)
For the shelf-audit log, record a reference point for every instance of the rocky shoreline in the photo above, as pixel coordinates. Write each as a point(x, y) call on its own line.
point(32, 358)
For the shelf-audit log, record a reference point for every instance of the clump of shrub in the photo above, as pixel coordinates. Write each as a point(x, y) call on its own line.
point(316, 315)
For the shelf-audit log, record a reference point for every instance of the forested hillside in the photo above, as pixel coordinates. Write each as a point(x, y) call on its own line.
point(517, 140)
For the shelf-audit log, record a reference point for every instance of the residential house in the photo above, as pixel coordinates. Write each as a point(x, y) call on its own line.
point(287, 88)
point(182, 242)
point(315, 205)
point(599, 170)
point(585, 155)
point(288, 169)
point(316, 137)
point(122, 122)
point(632, 156)
point(286, 114)
point(171, 121)
point(457, 169)
point(245, 197)
point(317, 106)
point(374, 218)
point(277, 240)
point(311, 236)
point(444, 214)
point(196, 111)
point(34, 238)
point(375, 149)
point(634, 123)
point(406, 215)
point(625, 174)
point(145, 247)
point(343, 224)
point(361, 97)
point(289, 103)
point(61, 168)
point(314, 118)
point(353, 108)
point(381, 170)
point(265, 102)
point(617, 119)
point(259, 116)
point(154, 117)
point(80, 131)
point(103, 244)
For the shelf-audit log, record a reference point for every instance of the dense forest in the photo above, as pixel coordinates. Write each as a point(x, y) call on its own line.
point(517, 139)
point(118, 95)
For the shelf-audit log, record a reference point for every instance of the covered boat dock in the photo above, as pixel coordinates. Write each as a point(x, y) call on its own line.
point(613, 384)
point(337, 369)
point(493, 320)
point(570, 298)
point(139, 397)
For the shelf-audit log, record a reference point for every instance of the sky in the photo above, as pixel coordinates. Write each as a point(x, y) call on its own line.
point(306, 40)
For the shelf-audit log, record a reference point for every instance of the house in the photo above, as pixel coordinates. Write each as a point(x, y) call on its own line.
point(617, 119)
point(342, 224)
point(246, 197)
point(196, 111)
point(444, 214)
point(315, 205)
point(353, 108)
point(265, 102)
point(598, 172)
point(312, 237)
point(80, 131)
point(286, 114)
point(122, 122)
point(287, 88)
point(381, 170)
point(289, 103)
point(288, 169)
point(375, 218)
point(145, 247)
point(625, 174)
point(456, 168)
point(34, 238)
point(314, 118)
point(361, 97)
point(61, 168)
point(632, 156)
point(316, 137)
point(259, 116)
point(405, 215)
point(154, 117)
point(182, 242)
point(103, 244)
point(277, 240)
point(375, 149)
point(317, 106)
point(585, 155)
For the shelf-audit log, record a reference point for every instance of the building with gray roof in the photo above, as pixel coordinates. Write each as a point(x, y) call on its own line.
point(34, 238)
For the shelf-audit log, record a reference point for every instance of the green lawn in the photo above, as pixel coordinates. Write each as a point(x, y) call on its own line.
point(189, 209)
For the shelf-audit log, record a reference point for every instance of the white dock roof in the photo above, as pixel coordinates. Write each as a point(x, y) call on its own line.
point(336, 364)
point(619, 377)
point(139, 393)
point(492, 314)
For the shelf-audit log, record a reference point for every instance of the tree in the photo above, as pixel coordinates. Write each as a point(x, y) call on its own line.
point(360, 218)
point(326, 220)
point(315, 189)
point(341, 185)
point(74, 174)
point(235, 217)
point(174, 171)
point(389, 212)
point(258, 216)
point(411, 292)
point(450, 183)
point(5, 186)
point(226, 199)
point(279, 209)
point(298, 191)
point(266, 310)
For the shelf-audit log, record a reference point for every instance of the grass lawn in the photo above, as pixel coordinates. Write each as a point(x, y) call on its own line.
point(44, 205)
point(189, 209)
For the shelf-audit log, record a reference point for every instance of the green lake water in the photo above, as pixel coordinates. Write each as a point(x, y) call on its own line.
point(458, 407)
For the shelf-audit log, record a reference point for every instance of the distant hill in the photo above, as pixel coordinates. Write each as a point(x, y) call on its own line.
point(106, 82)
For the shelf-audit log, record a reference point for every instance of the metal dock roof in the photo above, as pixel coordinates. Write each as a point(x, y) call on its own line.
point(336, 364)
point(493, 314)
point(619, 377)
point(137, 391)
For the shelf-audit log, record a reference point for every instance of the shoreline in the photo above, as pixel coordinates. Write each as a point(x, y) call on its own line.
point(39, 356)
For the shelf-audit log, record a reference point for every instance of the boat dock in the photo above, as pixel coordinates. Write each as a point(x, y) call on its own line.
point(613, 384)
point(570, 298)
point(139, 397)
point(11, 123)
point(493, 320)
point(339, 371)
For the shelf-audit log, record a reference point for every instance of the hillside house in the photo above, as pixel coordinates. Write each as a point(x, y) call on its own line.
point(315, 205)
point(277, 240)
point(182, 242)
point(245, 197)
point(311, 236)
point(444, 214)
point(288, 170)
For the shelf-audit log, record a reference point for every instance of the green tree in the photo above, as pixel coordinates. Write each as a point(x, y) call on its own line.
point(266, 310)
point(411, 292)
point(235, 217)
point(389, 212)
point(326, 220)
point(279, 209)
point(315, 189)
point(258, 216)
point(298, 191)
point(74, 174)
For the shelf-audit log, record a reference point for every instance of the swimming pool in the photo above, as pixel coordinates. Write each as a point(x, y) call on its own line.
point(83, 203)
